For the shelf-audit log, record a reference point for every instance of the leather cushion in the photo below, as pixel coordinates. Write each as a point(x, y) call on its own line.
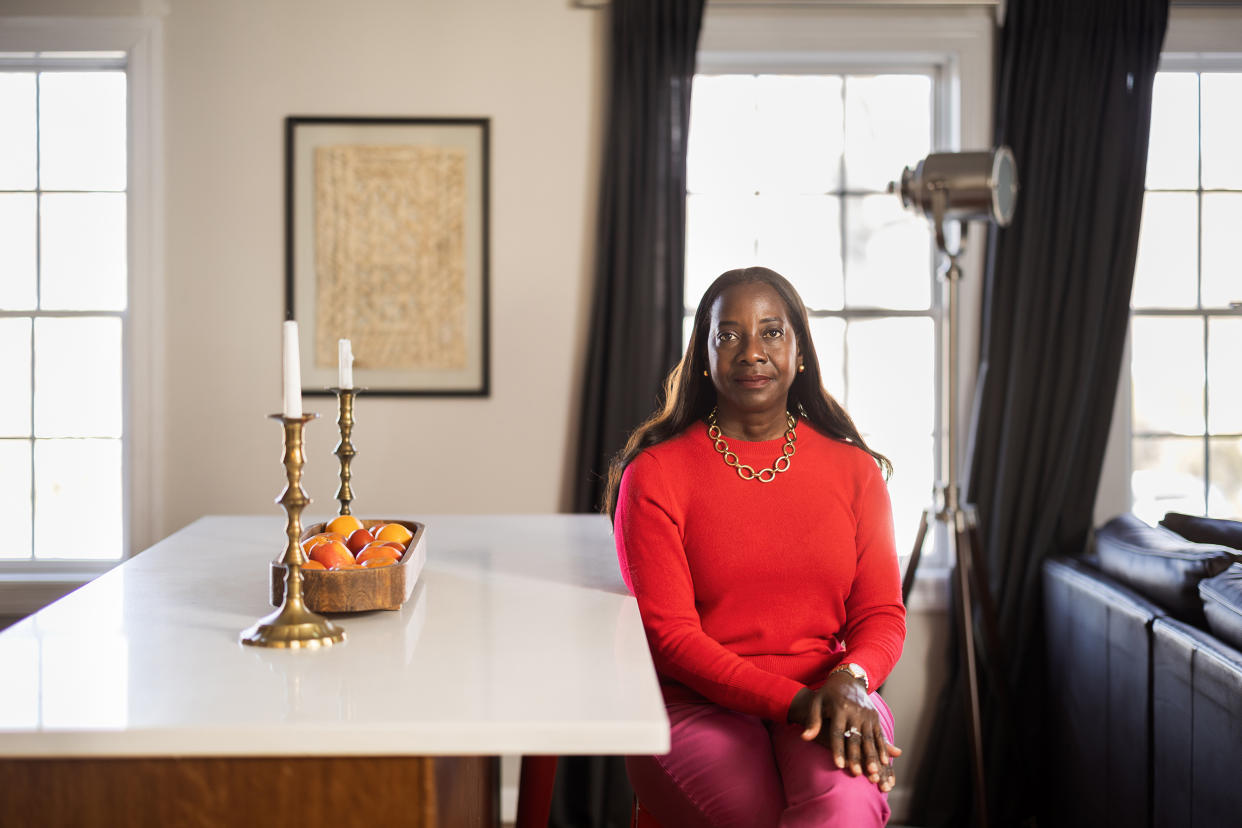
point(1099, 633)
point(1196, 728)
point(1160, 564)
point(1222, 603)
point(1205, 530)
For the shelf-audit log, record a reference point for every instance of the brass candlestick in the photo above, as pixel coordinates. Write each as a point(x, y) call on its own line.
point(293, 625)
point(345, 449)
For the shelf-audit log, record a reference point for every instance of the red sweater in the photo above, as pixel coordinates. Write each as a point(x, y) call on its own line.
point(750, 591)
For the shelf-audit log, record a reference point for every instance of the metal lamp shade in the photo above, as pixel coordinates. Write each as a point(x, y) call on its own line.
point(976, 185)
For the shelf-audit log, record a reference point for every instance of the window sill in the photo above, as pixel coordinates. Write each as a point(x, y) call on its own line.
point(931, 590)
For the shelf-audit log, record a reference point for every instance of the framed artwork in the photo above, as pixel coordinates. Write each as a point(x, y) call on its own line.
point(386, 245)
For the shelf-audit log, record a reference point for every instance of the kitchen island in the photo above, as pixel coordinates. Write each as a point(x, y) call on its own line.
point(132, 702)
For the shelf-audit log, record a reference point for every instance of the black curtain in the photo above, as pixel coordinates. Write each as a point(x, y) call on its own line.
point(1073, 100)
point(636, 316)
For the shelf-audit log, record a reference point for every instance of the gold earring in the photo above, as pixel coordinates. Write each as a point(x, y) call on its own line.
point(801, 368)
point(706, 373)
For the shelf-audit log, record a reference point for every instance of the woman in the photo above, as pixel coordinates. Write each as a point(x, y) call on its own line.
point(754, 527)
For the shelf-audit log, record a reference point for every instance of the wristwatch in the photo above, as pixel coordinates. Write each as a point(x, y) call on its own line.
point(854, 670)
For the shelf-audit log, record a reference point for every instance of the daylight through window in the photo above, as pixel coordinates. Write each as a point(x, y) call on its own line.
point(789, 172)
point(63, 304)
point(1186, 319)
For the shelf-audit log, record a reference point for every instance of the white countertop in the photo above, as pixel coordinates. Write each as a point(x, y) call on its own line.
point(520, 638)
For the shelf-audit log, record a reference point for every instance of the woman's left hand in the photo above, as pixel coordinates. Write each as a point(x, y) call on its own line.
point(841, 717)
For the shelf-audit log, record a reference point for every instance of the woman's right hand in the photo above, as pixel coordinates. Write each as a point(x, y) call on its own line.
point(841, 706)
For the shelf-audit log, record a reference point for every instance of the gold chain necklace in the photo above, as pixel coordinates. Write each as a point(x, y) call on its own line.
point(748, 472)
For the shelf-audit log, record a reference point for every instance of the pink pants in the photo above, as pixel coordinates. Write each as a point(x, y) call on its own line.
point(730, 769)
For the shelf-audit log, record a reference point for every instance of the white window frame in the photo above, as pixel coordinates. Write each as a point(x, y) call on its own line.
point(956, 43)
point(25, 586)
point(1197, 39)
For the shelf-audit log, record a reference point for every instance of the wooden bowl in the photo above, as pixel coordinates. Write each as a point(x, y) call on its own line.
point(358, 590)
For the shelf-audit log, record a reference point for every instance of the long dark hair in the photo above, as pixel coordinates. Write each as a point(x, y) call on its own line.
point(689, 396)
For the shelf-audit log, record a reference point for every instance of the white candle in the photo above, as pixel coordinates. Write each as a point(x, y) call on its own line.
point(292, 371)
point(344, 364)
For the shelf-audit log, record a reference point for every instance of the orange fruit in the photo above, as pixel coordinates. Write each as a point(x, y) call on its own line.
point(375, 563)
point(344, 525)
point(314, 540)
point(394, 532)
point(347, 566)
point(358, 539)
point(331, 554)
point(378, 552)
point(313, 565)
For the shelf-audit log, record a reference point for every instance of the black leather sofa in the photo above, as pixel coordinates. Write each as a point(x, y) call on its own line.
point(1144, 659)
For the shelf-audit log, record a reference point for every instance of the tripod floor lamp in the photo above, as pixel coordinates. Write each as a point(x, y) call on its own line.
point(962, 187)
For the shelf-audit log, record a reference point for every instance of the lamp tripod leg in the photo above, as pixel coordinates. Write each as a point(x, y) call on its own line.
point(907, 580)
point(964, 555)
point(995, 662)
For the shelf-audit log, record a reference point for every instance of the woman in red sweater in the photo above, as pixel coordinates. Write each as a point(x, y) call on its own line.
point(753, 525)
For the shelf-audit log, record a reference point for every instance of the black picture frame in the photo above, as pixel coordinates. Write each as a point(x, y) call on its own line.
point(467, 139)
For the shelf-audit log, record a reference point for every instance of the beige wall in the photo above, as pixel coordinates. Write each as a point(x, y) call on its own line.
point(234, 70)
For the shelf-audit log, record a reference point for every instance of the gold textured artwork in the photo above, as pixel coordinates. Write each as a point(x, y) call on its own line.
point(390, 261)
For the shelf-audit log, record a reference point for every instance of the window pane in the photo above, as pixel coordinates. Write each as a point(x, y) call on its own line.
point(887, 255)
point(78, 486)
point(800, 133)
point(77, 377)
point(17, 131)
point(775, 151)
point(82, 130)
point(1224, 385)
point(722, 142)
point(1222, 249)
point(1222, 130)
point(1173, 154)
point(891, 375)
point(17, 251)
point(887, 127)
point(720, 235)
point(828, 334)
point(800, 238)
point(1165, 273)
point(1167, 476)
point(15, 498)
point(1225, 494)
point(15, 379)
point(910, 488)
point(84, 248)
point(1167, 372)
